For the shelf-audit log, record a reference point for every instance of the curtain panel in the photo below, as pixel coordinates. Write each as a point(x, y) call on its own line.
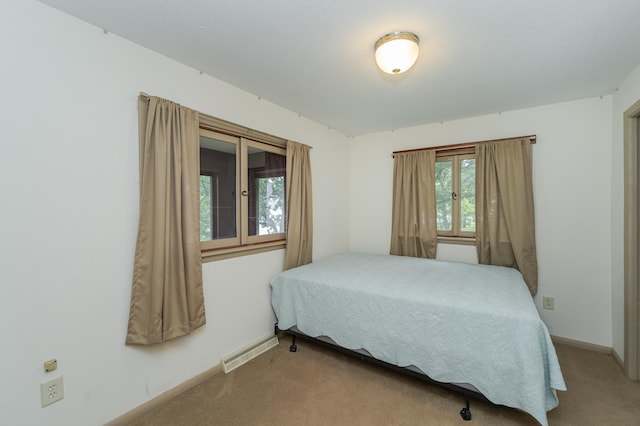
point(413, 223)
point(167, 297)
point(505, 222)
point(299, 217)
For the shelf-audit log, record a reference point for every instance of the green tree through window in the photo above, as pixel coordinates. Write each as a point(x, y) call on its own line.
point(455, 184)
point(271, 205)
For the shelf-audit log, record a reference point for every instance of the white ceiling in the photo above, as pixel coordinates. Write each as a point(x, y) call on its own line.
point(315, 57)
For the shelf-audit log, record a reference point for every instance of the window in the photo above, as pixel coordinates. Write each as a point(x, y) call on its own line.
point(456, 194)
point(242, 195)
point(219, 204)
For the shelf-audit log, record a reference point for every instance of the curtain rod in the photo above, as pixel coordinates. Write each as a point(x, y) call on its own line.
point(532, 140)
point(238, 130)
point(144, 95)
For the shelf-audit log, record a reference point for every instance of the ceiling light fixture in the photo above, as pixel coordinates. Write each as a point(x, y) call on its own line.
point(397, 52)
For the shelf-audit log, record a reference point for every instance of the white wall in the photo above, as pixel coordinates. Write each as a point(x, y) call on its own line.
point(68, 222)
point(628, 93)
point(572, 184)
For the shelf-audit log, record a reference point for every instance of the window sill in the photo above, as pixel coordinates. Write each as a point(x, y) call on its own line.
point(463, 241)
point(230, 252)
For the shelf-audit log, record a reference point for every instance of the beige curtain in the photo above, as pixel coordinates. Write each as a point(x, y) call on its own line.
point(505, 231)
point(413, 223)
point(299, 216)
point(167, 299)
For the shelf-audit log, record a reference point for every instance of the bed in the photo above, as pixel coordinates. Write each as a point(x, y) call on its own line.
point(470, 326)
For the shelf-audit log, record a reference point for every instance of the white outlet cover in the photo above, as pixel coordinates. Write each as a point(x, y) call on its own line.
point(51, 391)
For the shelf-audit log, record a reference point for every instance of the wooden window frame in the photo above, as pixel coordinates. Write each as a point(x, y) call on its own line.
point(243, 244)
point(244, 213)
point(455, 156)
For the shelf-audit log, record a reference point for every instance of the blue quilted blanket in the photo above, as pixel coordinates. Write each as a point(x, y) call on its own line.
point(456, 322)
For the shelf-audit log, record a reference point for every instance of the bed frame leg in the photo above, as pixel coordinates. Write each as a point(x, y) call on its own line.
point(465, 413)
point(293, 347)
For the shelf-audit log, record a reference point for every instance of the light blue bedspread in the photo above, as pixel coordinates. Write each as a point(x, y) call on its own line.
point(457, 322)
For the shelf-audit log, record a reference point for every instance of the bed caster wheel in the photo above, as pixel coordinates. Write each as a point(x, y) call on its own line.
point(465, 413)
point(293, 348)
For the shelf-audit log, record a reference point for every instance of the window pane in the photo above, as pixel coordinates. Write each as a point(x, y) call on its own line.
point(266, 189)
point(205, 208)
point(217, 189)
point(444, 189)
point(468, 195)
point(270, 212)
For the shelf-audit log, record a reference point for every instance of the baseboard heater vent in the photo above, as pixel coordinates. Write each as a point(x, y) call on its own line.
point(244, 355)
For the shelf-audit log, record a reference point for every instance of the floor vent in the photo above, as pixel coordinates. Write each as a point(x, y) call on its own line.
point(244, 355)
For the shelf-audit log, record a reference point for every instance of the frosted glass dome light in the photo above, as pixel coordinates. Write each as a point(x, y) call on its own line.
point(397, 52)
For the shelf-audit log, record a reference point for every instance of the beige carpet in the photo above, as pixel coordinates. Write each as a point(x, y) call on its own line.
point(319, 386)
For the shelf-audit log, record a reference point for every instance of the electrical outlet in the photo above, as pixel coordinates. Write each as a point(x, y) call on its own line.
point(548, 303)
point(51, 391)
